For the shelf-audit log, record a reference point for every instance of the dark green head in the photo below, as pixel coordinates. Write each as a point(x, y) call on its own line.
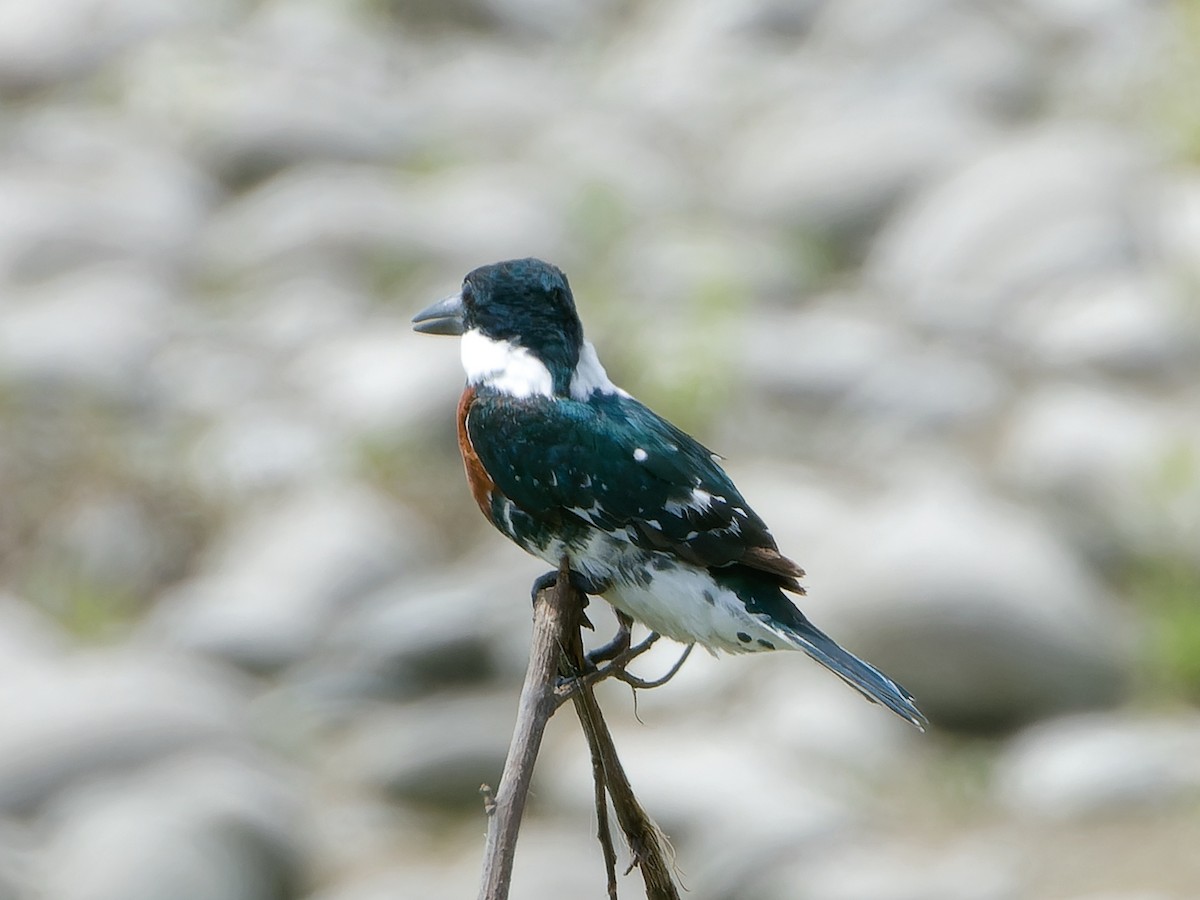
point(525, 304)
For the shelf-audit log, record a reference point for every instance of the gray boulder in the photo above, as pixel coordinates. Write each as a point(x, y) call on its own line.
point(199, 828)
point(1100, 765)
point(975, 605)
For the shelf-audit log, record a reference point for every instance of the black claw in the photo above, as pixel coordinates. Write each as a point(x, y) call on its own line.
point(546, 580)
point(580, 582)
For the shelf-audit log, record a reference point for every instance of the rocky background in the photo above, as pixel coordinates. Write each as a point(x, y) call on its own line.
point(927, 272)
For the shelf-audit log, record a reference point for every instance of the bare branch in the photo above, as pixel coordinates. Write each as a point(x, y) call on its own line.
point(603, 830)
point(557, 646)
point(646, 842)
point(551, 610)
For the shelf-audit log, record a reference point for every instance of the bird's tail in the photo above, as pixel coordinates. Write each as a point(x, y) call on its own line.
point(857, 673)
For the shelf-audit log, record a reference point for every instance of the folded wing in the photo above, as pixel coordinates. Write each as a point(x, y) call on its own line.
point(614, 464)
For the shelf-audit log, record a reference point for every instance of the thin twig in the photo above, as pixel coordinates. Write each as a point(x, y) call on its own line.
point(603, 829)
point(646, 842)
point(558, 646)
point(536, 705)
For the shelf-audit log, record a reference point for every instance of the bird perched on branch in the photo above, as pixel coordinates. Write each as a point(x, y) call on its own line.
point(563, 461)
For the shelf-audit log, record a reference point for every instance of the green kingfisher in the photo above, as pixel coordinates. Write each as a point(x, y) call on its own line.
point(562, 461)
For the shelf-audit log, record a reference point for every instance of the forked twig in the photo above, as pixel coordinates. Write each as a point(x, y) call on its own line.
point(557, 647)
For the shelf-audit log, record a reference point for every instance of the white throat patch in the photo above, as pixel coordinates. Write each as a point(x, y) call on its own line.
point(508, 368)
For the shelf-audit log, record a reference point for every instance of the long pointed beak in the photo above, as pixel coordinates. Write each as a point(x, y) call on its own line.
point(444, 317)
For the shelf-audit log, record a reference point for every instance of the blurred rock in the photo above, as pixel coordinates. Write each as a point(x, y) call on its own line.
point(435, 753)
point(836, 171)
point(559, 862)
point(287, 316)
point(828, 731)
point(64, 39)
point(697, 278)
point(327, 210)
point(277, 578)
point(94, 330)
point(362, 833)
point(1130, 325)
point(91, 714)
point(975, 606)
point(17, 849)
point(942, 47)
point(414, 638)
point(418, 636)
point(927, 388)
point(615, 170)
point(1176, 198)
point(842, 341)
point(115, 544)
point(904, 870)
point(83, 189)
point(257, 448)
point(297, 82)
point(463, 95)
point(1101, 765)
point(1042, 209)
point(851, 385)
point(196, 829)
point(380, 219)
point(415, 878)
point(383, 379)
point(545, 18)
point(1098, 453)
point(29, 641)
point(1106, 54)
point(733, 800)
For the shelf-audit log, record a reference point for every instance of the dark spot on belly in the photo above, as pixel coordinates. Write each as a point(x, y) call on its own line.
point(766, 644)
point(743, 637)
point(663, 563)
point(709, 598)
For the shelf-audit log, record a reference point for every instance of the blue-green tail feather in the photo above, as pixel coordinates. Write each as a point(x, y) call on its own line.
point(859, 674)
point(763, 597)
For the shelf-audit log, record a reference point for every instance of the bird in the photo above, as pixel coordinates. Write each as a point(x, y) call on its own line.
point(563, 462)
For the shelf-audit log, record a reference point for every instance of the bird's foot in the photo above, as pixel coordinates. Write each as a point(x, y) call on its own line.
point(614, 648)
point(616, 668)
point(579, 581)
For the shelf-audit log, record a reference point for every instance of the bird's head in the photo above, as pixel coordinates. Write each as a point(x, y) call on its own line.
point(519, 327)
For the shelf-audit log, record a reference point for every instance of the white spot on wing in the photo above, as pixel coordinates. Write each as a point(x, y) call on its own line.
point(508, 367)
point(590, 515)
point(699, 500)
point(639, 454)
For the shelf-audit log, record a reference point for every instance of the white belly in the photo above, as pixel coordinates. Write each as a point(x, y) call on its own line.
point(676, 599)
